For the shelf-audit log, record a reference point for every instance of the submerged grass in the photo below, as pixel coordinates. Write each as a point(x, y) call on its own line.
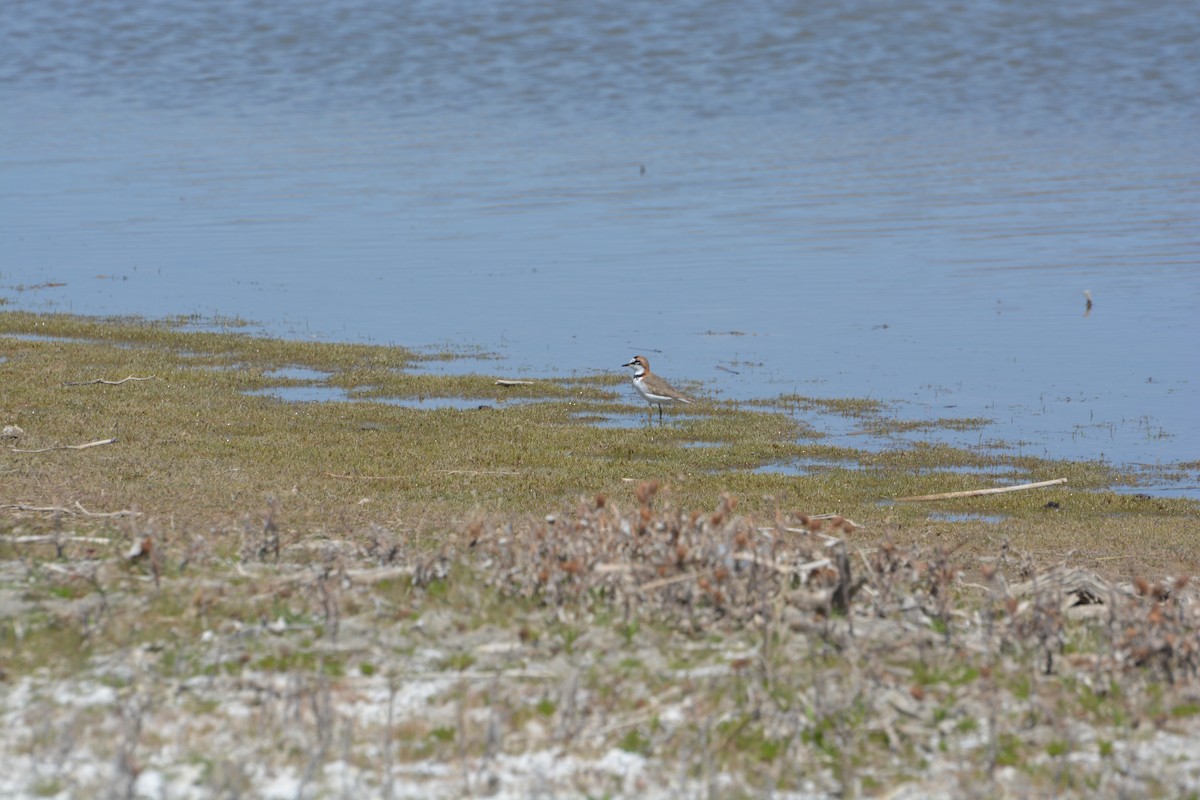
point(192, 444)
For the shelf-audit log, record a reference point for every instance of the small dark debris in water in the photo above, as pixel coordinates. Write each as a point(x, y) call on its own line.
point(727, 369)
point(485, 407)
point(1142, 496)
point(882, 327)
point(1087, 298)
point(643, 168)
point(46, 285)
point(1053, 505)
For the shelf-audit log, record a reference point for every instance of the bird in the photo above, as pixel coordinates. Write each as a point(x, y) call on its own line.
point(654, 389)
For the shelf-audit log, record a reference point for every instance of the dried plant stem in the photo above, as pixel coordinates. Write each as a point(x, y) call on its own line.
point(660, 583)
point(96, 443)
point(977, 492)
point(109, 383)
point(78, 509)
point(365, 477)
point(64, 539)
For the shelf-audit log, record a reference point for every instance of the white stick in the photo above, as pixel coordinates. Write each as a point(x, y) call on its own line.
point(96, 443)
point(109, 383)
point(70, 539)
point(977, 492)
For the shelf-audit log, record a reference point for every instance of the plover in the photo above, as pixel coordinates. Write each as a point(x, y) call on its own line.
point(654, 389)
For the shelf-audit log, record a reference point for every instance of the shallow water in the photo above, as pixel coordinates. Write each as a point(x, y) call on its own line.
point(993, 519)
point(903, 201)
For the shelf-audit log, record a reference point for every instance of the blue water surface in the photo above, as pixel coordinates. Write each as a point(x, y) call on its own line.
point(903, 200)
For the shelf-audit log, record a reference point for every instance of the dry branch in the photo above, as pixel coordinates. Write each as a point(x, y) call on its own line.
point(343, 476)
point(607, 568)
point(42, 509)
point(978, 492)
point(109, 383)
point(78, 509)
point(661, 582)
point(484, 675)
point(96, 443)
point(367, 576)
point(64, 539)
point(365, 477)
point(507, 382)
point(122, 513)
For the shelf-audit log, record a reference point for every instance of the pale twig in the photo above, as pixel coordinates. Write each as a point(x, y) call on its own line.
point(507, 382)
point(71, 539)
point(366, 477)
point(41, 509)
point(977, 492)
point(381, 574)
point(605, 568)
point(661, 582)
point(79, 509)
point(109, 383)
point(473, 472)
point(122, 513)
point(96, 443)
point(482, 675)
